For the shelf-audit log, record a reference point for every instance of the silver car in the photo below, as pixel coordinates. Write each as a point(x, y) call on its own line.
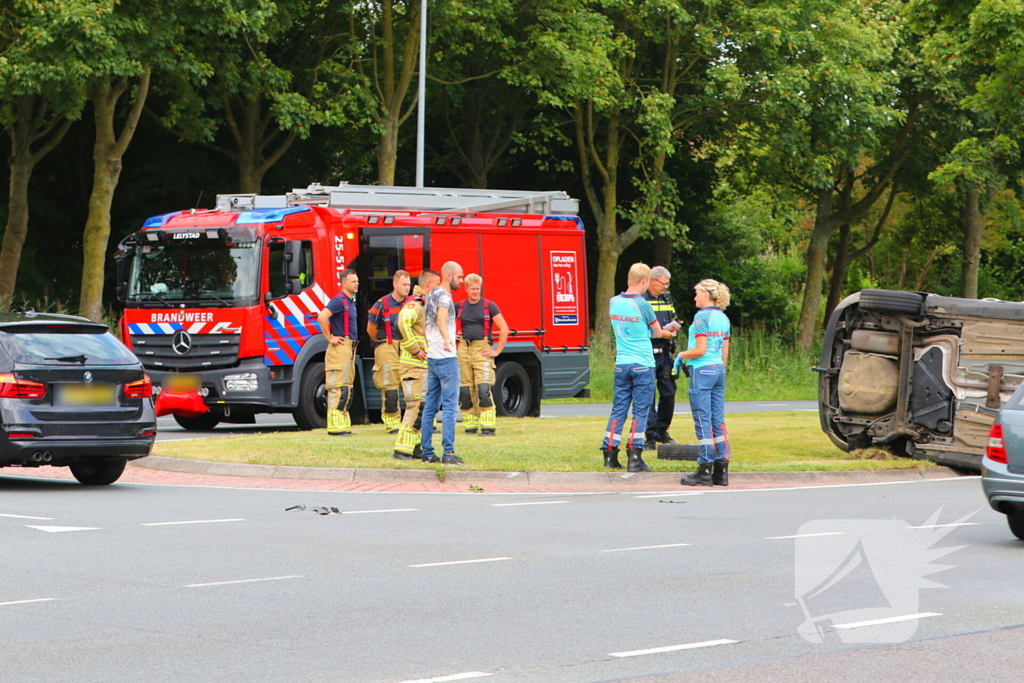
point(1002, 468)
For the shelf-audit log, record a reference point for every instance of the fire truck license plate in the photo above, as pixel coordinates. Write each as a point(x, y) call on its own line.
point(182, 383)
point(85, 394)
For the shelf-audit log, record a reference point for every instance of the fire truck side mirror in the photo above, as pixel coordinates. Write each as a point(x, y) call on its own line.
point(292, 267)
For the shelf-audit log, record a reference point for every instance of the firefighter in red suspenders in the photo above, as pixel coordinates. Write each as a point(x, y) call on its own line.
point(412, 368)
point(384, 314)
point(338, 323)
point(474, 318)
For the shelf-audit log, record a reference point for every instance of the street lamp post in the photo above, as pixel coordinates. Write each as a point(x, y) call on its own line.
point(422, 103)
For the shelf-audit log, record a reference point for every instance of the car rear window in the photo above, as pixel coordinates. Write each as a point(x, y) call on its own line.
point(57, 345)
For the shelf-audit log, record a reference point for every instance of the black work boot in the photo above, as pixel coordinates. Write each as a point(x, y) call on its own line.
point(636, 463)
point(651, 441)
point(611, 458)
point(720, 473)
point(664, 437)
point(702, 477)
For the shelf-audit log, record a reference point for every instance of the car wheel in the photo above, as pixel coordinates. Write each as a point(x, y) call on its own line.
point(311, 412)
point(97, 471)
point(512, 390)
point(199, 423)
point(1016, 523)
point(891, 301)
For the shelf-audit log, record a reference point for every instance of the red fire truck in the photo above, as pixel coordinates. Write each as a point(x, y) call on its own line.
point(221, 304)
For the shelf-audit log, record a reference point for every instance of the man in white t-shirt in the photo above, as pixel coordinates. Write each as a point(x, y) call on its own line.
point(442, 365)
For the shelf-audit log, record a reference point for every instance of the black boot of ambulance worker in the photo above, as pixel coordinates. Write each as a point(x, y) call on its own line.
point(702, 477)
point(636, 463)
point(651, 441)
point(611, 458)
point(720, 473)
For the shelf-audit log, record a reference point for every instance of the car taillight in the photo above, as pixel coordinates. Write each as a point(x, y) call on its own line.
point(142, 388)
point(12, 387)
point(995, 450)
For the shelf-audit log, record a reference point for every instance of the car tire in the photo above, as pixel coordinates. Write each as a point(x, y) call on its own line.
point(98, 471)
point(1016, 523)
point(891, 301)
point(513, 391)
point(199, 423)
point(311, 412)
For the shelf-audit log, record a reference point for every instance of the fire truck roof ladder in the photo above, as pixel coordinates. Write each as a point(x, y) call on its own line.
point(380, 197)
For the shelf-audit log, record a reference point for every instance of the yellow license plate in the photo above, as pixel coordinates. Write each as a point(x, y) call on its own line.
point(182, 383)
point(85, 394)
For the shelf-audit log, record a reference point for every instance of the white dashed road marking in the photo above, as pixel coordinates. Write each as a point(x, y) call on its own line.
point(451, 677)
point(942, 526)
point(193, 521)
point(673, 648)
point(228, 583)
point(45, 519)
point(540, 502)
point(824, 533)
point(442, 564)
point(25, 602)
point(673, 494)
point(646, 547)
point(60, 529)
point(368, 512)
point(890, 620)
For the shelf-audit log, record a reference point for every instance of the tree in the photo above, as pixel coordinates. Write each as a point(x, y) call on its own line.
point(262, 81)
point(824, 77)
point(634, 79)
point(41, 91)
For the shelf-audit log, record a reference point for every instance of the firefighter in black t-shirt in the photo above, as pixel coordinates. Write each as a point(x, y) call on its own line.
point(474, 319)
point(382, 328)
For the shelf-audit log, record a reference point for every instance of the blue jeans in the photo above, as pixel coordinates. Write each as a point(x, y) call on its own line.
point(633, 384)
point(707, 403)
point(443, 392)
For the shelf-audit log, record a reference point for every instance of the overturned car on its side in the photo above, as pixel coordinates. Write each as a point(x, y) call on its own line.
point(921, 374)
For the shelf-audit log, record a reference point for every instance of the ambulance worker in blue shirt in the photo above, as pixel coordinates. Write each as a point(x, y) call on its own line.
point(706, 355)
point(633, 323)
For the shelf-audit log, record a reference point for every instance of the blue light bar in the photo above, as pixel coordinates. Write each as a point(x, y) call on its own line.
point(575, 219)
point(259, 216)
point(161, 220)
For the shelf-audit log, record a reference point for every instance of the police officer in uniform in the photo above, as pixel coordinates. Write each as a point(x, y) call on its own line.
point(339, 325)
point(660, 418)
point(474, 319)
point(382, 327)
point(412, 367)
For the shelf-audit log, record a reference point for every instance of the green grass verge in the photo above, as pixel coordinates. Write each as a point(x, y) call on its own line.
point(761, 368)
point(778, 441)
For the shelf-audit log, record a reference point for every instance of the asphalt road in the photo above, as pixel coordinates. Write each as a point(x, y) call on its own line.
point(168, 429)
point(158, 583)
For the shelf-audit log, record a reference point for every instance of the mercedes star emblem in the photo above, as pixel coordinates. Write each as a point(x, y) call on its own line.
point(181, 342)
point(88, 376)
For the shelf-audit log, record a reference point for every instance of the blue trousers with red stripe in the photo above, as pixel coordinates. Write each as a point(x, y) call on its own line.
point(634, 384)
point(707, 403)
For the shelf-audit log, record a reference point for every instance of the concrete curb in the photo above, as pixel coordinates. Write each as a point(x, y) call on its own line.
point(609, 479)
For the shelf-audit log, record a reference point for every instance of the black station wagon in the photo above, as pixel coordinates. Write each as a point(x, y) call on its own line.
point(71, 395)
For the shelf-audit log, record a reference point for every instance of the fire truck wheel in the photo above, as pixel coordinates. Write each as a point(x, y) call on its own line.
point(311, 412)
point(200, 423)
point(512, 390)
point(98, 471)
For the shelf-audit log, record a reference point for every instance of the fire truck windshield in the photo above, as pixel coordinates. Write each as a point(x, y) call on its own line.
point(212, 271)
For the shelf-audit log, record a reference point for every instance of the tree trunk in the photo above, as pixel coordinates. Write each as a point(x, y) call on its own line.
point(972, 222)
point(837, 283)
point(108, 150)
point(817, 253)
point(662, 251)
point(387, 152)
point(17, 227)
point(30, 126)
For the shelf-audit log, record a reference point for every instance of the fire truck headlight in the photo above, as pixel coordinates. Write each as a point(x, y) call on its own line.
point(246, 381)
